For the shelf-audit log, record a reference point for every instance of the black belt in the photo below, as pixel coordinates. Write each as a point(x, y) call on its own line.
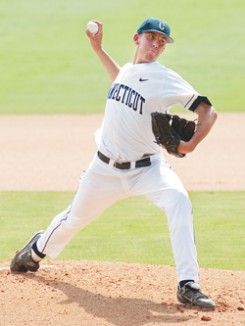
point(125, 165)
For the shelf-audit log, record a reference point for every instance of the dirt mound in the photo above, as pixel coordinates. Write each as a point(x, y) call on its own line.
point(89, 293)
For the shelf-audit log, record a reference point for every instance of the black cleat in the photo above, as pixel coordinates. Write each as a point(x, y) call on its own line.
point(23, 261)
point(191, 294)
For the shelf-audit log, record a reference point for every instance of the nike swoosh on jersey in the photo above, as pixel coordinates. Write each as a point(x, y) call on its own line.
point(143, 79)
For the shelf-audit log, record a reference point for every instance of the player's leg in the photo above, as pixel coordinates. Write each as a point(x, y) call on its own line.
point(167, 192)
point(91, 199)
point(98, 189)
point(162, 186)
point(178, 210)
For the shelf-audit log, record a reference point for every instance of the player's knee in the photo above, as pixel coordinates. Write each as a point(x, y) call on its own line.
point(179, 197)
point(178, 206)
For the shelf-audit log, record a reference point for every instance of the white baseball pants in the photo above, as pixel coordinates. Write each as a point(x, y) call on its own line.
point(102, 185)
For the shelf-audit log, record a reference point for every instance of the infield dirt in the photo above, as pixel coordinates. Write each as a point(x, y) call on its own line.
point(50, 153)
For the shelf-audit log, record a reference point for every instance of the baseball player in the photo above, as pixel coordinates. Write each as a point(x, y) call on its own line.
point(129, 162)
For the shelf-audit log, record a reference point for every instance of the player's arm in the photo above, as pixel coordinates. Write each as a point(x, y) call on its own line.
point(110, 65)
point(206, 119)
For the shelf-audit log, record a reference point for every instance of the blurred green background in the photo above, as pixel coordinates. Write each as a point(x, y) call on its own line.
point(132, 230)
point(47, 65)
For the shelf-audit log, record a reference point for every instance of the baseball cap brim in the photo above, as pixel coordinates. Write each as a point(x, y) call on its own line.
point(169, 39)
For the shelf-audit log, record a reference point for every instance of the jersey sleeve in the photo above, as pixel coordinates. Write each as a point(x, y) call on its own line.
point(178, 91)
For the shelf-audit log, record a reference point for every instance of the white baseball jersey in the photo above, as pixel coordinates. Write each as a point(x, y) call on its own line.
point(139, 90)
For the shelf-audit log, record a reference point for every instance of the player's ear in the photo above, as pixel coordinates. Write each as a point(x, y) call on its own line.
point(136, 39)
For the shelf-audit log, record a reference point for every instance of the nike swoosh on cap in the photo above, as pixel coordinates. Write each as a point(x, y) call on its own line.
point(143, 79)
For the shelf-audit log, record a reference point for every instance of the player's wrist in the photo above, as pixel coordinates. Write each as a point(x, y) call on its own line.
point(98, 49)
point(186, 147)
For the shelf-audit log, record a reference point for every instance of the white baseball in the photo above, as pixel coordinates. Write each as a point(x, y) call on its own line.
point(92, 27)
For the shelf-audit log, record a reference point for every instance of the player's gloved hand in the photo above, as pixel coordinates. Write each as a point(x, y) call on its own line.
point(173, 133)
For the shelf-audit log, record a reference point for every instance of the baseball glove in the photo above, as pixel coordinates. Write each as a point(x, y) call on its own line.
point(169, 130)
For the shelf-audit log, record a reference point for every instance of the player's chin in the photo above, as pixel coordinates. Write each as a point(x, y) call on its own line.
point(151, 57)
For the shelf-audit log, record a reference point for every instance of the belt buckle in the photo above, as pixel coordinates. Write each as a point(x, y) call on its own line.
point(122, 166)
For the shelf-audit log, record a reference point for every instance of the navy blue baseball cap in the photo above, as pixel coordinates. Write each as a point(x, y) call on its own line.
point(155, 25)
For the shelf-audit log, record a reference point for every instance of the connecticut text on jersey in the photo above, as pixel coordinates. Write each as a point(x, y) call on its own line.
point(127, 96)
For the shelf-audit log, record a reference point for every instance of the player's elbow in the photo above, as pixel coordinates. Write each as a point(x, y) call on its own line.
point(208, 116)
point(214, 114)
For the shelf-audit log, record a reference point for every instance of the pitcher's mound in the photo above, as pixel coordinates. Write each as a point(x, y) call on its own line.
point(88, 293)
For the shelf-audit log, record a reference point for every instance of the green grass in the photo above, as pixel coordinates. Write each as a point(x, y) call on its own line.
point(47, 65)
point(132, 230)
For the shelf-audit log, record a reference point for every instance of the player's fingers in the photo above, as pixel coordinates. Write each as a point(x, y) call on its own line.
point(98, 23)
point(94, 38)
point(89, 34)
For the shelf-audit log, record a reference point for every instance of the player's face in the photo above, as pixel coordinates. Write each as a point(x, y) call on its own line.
point(150, 46)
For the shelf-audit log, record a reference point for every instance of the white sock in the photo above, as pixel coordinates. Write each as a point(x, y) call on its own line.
point(35, 257)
